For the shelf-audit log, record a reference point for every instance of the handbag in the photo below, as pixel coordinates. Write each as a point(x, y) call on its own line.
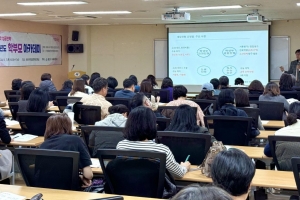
point(213, 151)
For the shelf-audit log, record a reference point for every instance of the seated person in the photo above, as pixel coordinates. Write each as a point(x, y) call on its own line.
point(77, 90)
point(227, 108)
point(58, 136)
point(26, 90)
point(238, 81)
point(167, 84)
point(224, 82)
point(286, 82)
point(146, 87)
point(98, 97)
point(216, 83)
point(109, 140)
point(128, 91)
point(67, 86)
point(38, 101)
point(93, 77)
point(46, 82)
point(135, 81)
point(188, 123)
point(179, 94)
point(117, 116)
point(86, 79)
point(233, 171)
point(207, 92)
point(196, 192)
point(286, 150)
point(152, 79)
point(140, 131)
point(16, 84)
point(112, 84)
point(4, 134)
point(256, 87)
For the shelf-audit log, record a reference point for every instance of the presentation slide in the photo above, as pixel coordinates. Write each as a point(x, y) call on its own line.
point(197, 57)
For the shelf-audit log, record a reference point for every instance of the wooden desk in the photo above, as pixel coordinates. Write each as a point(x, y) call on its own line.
point(52, 194)
point(53, 108)
point(273, 124)
point(265, 134)
point(17, 127)
point(262, 178)
point(32, 143)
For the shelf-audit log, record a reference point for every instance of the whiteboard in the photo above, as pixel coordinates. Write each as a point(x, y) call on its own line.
point(279, 55)
point(161, 58)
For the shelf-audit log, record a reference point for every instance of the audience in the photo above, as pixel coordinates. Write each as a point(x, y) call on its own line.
point(216, 84)
point(93, 77)
point(139, 135)
point(179, 94)
point(98, 98)
point(272, 93)
point(46, 82)
point(227, 108)
point(59, 136)
point(207, 92)
point(135, 81)
point(67, 86)
point(233, 171)
point(112, 84)
point(117, 116)
point(286, 150)
point(242, 101)
point(78, 89)
point(25, 93)
point(238, 81)
point(286, 82)
point(188, 123)
point(146, 87)
point(16, 84)
point(167, 84)
point(256, 87)
point(128, 91)
point(4, 134)
point(86, 79)
point(152, 79)
point(38, 101)
point(195, 192)
point(224, 82)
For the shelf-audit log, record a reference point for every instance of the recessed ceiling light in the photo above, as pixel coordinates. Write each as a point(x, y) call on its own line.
point(16, 14)
point(298, 4)
point(229, 15)
point(252, 5)
point(102, 12)
point(211, 8)
point(52, 3)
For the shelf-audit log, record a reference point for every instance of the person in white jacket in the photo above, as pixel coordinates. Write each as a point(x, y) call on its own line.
point(109, 139)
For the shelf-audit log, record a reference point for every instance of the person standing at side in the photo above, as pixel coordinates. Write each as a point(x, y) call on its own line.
point(294, 67)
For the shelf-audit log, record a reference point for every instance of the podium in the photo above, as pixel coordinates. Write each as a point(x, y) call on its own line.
point(72, 75)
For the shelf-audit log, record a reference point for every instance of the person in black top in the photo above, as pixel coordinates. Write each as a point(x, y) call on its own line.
point(4, 135)
point(26, 90)
point(16, 84)
point(112, 84)
point(256, 87)
point(67, 86)
point(286, 82)
point(58, 136)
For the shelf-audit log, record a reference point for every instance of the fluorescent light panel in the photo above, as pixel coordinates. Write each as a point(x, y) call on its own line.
point(230, 15)
point(102, 12)
point(16, 14)
point(52, 3)
point(298, 4)
point(211, 8)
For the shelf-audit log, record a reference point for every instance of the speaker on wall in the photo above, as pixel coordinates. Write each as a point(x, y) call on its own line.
point(75, 35)
point(75, 48)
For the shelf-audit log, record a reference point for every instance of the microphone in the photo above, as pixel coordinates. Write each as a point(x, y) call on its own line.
point(72, 67)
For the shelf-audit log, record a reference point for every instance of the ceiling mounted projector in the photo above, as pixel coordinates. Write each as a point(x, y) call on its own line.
point(255, 17)
point(176, 15)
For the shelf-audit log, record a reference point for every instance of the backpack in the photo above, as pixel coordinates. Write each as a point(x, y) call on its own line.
point(213, 151)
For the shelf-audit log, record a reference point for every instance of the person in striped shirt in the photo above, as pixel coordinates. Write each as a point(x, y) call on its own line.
point(139, 132)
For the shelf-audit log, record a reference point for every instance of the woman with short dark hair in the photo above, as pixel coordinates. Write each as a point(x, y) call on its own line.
point(256, 87)
point(38, 101)
point(16, 84)
point(230, 165)
point(167, 84)
point(139, 133)
point(272, 93)
point(59, 136)
point(67, 86)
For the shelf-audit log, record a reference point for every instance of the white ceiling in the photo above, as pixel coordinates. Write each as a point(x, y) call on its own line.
point(148, 11)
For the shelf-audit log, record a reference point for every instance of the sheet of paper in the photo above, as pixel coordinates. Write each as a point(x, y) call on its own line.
point(10, 196)
point(10, 122)
point(95, 163)
point(24, 138)
point(264, 122)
